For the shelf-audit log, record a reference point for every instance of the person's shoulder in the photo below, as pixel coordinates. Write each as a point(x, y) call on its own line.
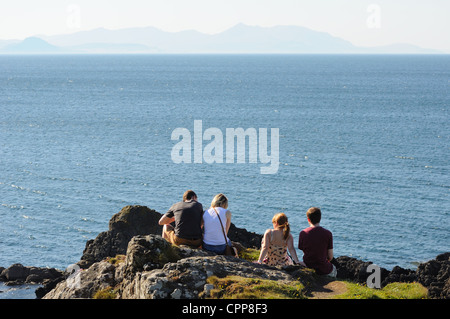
point(305, 230)
point(189, 203)
point(327, 231)
point(194, 202)
point(198, 204)
point(207, 211)
point(176, 205)
point(225, 210)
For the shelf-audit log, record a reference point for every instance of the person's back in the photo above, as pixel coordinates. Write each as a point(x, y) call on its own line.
point(187, 216)
point(213, 233)
point(316, 243)
point(276, 249)
point(277, 242)
point(216, 223)
point(188, 219)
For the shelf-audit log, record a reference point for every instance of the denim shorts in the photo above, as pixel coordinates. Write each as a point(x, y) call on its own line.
point(218, 249)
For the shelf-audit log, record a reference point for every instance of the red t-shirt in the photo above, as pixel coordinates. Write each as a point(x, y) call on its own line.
point(315, 242)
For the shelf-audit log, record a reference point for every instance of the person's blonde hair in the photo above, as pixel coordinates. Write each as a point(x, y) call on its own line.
point(220, 200)
point(282, 221)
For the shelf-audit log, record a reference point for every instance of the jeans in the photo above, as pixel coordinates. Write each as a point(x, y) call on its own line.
point(218, 249)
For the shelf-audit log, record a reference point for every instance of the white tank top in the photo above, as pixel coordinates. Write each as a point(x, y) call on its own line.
point(213, 234)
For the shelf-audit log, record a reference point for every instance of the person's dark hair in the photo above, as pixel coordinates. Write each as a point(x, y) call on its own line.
point(188, 195)
point(314, 215)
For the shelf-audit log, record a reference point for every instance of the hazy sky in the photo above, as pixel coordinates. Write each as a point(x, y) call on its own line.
point(363, 22)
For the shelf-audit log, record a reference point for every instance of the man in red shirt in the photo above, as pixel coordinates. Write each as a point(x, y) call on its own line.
point(316, 243)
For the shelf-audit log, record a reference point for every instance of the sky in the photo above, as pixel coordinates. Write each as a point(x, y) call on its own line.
point(362, 22)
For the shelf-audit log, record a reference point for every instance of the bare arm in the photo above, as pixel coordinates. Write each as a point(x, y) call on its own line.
point(290, 243)
point(330, 254)
point(300, 242)
point(166, 220)
point(228, 223)
point(264, 246)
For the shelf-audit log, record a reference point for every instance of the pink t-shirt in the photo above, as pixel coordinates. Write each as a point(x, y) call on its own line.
point(315, 242)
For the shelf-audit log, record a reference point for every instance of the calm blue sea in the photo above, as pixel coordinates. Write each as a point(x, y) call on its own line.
point(366, 138)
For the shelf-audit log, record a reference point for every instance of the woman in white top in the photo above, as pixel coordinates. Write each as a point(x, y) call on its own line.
point(213, 228)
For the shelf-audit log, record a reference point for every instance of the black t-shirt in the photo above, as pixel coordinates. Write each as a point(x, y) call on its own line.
point(188, 219)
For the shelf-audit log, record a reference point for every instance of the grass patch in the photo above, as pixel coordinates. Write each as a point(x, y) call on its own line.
point(107, 293)
point(249, 254)
point(396, 290)
point(116, 260)
point(235, 287)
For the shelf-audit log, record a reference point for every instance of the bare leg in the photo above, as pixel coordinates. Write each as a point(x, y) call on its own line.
point(166, 228)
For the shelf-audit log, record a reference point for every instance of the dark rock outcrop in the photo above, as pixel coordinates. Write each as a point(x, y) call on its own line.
point(244, 237)
point(140, 220)
point(433, 274)
point(356, 270)
point(399, 274)
point(18, 274)
point(129, 222)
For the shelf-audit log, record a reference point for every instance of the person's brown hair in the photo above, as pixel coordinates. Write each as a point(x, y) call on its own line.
point(188, 195)
point(314, 215)
point(282, 221)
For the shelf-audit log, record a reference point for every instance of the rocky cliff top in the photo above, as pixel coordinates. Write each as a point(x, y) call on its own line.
point(131, 260)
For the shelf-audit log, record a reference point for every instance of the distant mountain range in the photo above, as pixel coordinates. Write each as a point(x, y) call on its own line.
point(238, 39)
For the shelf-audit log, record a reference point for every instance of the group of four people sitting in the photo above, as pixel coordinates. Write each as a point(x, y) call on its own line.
point(186, 223)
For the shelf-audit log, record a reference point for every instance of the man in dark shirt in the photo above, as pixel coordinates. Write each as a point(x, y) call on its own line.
point(188, 217)
point(316, 243)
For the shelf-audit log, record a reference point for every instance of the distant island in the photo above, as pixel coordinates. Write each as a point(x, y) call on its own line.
point(240, 39)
